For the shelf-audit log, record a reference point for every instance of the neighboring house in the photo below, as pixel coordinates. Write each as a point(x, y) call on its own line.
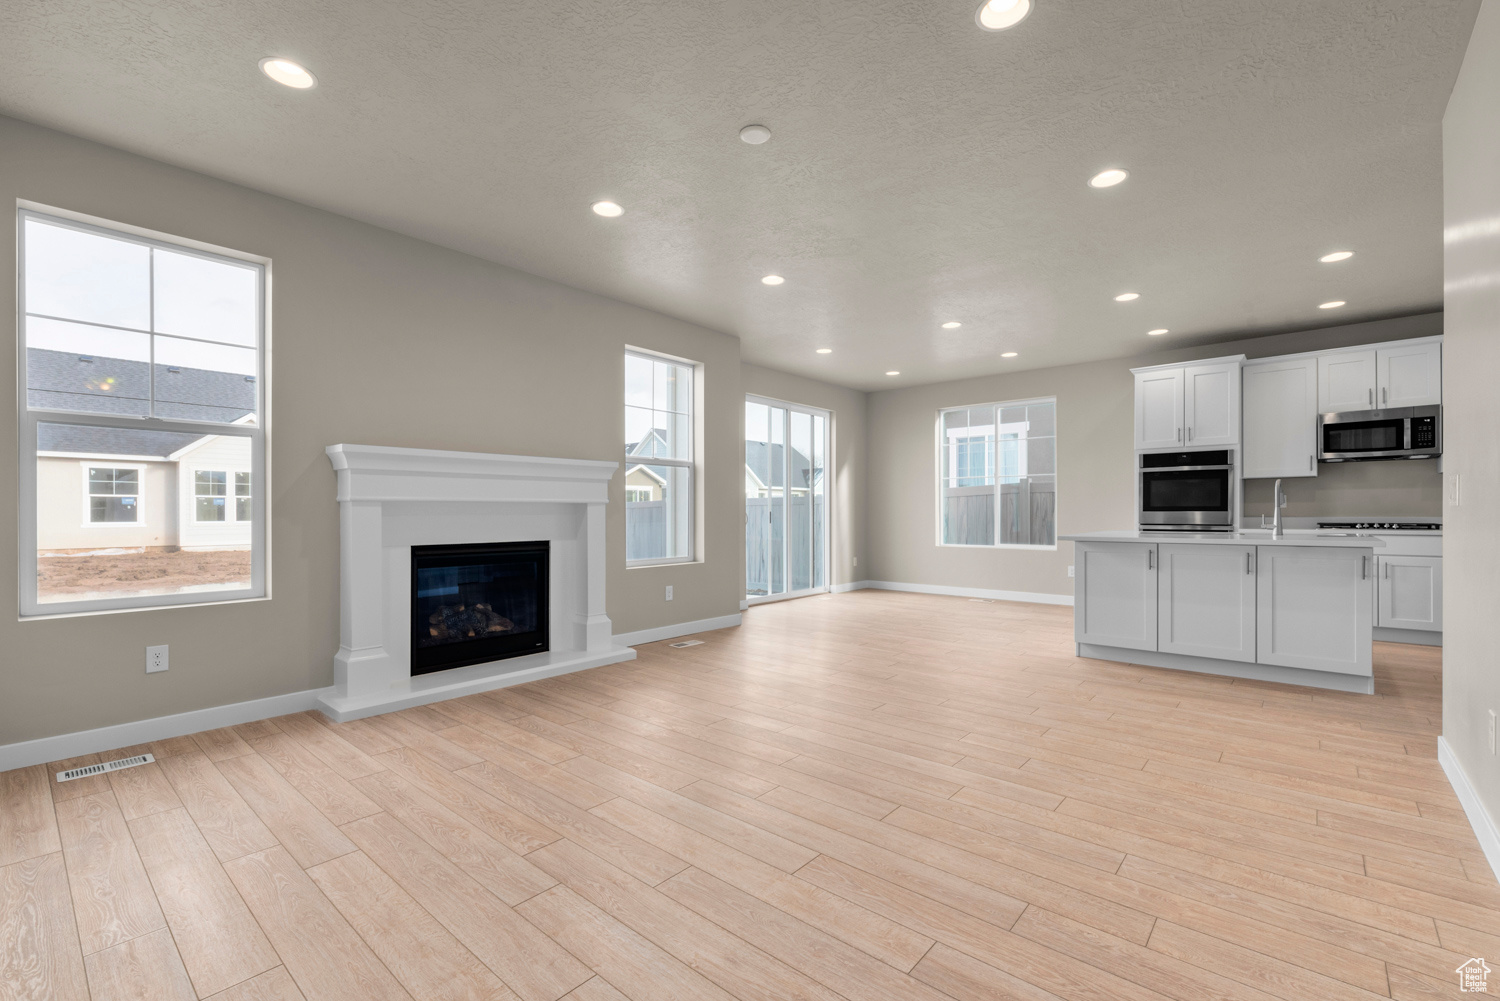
point(102, 488)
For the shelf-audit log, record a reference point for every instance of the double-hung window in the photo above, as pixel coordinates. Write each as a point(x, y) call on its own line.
point(997, 474)
point(144, 366)
point(659, 459)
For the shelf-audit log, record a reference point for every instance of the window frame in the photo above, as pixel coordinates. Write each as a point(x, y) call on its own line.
point(88, 495)
point(692, 465)
point(994, 464)
point(28, 419)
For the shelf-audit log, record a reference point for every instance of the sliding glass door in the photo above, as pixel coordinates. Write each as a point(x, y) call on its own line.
point(786, 499)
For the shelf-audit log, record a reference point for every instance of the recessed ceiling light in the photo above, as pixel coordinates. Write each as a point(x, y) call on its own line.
point(1127, 296)
point(772, 280)
point(825, 351)
point(754, 134)
point(286, 72)
point(1335, 304)
point(1108, 178)
point(608, 210)
point(1157, 332)
point(997, 15)
point(1007, 354)
point(1337, 255)
point(952, 325)
point(893, 373)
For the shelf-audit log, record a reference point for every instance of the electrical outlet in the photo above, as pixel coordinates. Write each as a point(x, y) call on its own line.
point(156, 659)
point(669, 592)
point(1492, 731)
point(1070, 570)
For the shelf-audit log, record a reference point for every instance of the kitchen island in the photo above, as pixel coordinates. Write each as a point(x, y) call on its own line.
point(1297, 609)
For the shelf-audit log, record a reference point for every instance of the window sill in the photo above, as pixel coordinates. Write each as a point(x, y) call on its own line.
point(41, 616)
point(643, 564)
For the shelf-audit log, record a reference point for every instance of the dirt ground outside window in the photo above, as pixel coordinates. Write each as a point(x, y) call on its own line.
point(104, 574)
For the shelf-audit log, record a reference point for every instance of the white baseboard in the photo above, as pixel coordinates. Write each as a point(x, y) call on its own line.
point(679, 629)
point(1034, 597)
point(107, 738)
point(853, 585)
point(1485, 828)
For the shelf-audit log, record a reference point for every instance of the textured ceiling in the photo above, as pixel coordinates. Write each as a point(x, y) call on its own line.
point(920, 170)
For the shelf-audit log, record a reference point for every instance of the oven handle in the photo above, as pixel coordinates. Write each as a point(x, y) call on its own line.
point(1183, 469)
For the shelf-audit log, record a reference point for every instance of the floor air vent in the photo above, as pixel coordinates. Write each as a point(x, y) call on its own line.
point(984, 601)
point(102, 767)
point(683, 643)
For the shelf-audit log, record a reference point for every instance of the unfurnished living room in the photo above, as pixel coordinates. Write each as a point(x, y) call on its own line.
point(915, 500)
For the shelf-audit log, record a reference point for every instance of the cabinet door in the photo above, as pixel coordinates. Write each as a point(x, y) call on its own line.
point(1206, 601)
point(1410, 376)
point(1314, 608)
point(1281, 418)
point(1115, 598)
point(1346, 381)
point(1211, 404)
point(1411, 592)
point(1158, 409)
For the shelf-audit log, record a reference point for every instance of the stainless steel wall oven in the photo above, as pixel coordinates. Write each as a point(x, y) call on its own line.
point(1187, 491)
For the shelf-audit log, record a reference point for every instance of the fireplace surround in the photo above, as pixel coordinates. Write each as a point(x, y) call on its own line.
point(392, 500)
point(476, 603)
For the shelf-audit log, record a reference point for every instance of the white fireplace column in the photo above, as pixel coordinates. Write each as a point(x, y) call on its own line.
point(391, 499)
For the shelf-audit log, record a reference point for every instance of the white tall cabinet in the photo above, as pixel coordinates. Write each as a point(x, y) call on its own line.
point(1281, 418)
point(1181, 406)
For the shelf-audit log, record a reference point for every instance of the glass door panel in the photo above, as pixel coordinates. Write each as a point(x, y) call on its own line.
point(785, 500)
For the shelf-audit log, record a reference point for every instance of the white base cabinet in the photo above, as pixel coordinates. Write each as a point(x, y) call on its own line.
point(1315, 608)
point(1115, 595)
point(1307, 607)
point(1206, 601)
point(1410, 593)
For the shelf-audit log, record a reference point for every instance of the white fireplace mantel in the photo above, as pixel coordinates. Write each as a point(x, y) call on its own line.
point(391, 499)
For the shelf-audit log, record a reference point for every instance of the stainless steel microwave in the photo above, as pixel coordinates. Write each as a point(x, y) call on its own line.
point(1402, 433)
point(1187, 491)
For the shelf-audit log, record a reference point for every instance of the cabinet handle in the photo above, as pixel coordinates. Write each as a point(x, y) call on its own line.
point(1364, 568)
point(1190, 432)
point(1309, 463)
point(1385, 570)
point(1249, 563)
point(1179, 434)
point(1385, 395)
point(1150, 559)
point(1372, 395)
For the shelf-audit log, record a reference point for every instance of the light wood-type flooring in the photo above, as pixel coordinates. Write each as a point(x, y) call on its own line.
point(878, 796)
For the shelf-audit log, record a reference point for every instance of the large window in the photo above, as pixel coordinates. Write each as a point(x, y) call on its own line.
point(141, 355)
point(659, 459)
point(997, 468)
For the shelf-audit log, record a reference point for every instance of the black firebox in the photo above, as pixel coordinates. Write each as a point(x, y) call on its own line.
point(476, 603)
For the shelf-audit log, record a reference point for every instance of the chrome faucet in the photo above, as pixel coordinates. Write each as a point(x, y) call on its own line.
point(1278, 501)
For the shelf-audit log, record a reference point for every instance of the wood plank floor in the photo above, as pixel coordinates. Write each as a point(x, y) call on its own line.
point(865, 796)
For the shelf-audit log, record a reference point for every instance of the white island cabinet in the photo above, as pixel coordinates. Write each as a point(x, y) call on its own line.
point(1299, 609)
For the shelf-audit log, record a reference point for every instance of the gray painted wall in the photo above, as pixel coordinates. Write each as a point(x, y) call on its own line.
point(377, 338)
point(1471, 367)
point(1095, 450)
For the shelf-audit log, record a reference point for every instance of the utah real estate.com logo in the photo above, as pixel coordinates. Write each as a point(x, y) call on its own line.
point(1473, 976)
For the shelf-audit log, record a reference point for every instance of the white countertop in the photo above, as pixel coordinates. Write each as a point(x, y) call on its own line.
point(1244, 537)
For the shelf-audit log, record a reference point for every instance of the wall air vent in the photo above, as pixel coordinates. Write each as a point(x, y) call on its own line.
point(102, 767)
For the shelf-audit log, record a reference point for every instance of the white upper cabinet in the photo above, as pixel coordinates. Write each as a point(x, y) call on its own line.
point(1178, 406)
point(1158, 408)
point(1410, 376)
point(1281, 418)
point(1211, 404)
point(1346, 381)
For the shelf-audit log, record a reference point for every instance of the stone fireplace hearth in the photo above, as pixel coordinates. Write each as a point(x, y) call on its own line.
point(394, 499)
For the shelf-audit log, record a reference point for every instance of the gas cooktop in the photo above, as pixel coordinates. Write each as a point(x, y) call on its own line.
point(1383, 526)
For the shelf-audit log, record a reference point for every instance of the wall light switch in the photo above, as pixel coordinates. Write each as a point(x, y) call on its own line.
point(1070, 570)
point(669, 592)
point(856, 561)
point(156, 659)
